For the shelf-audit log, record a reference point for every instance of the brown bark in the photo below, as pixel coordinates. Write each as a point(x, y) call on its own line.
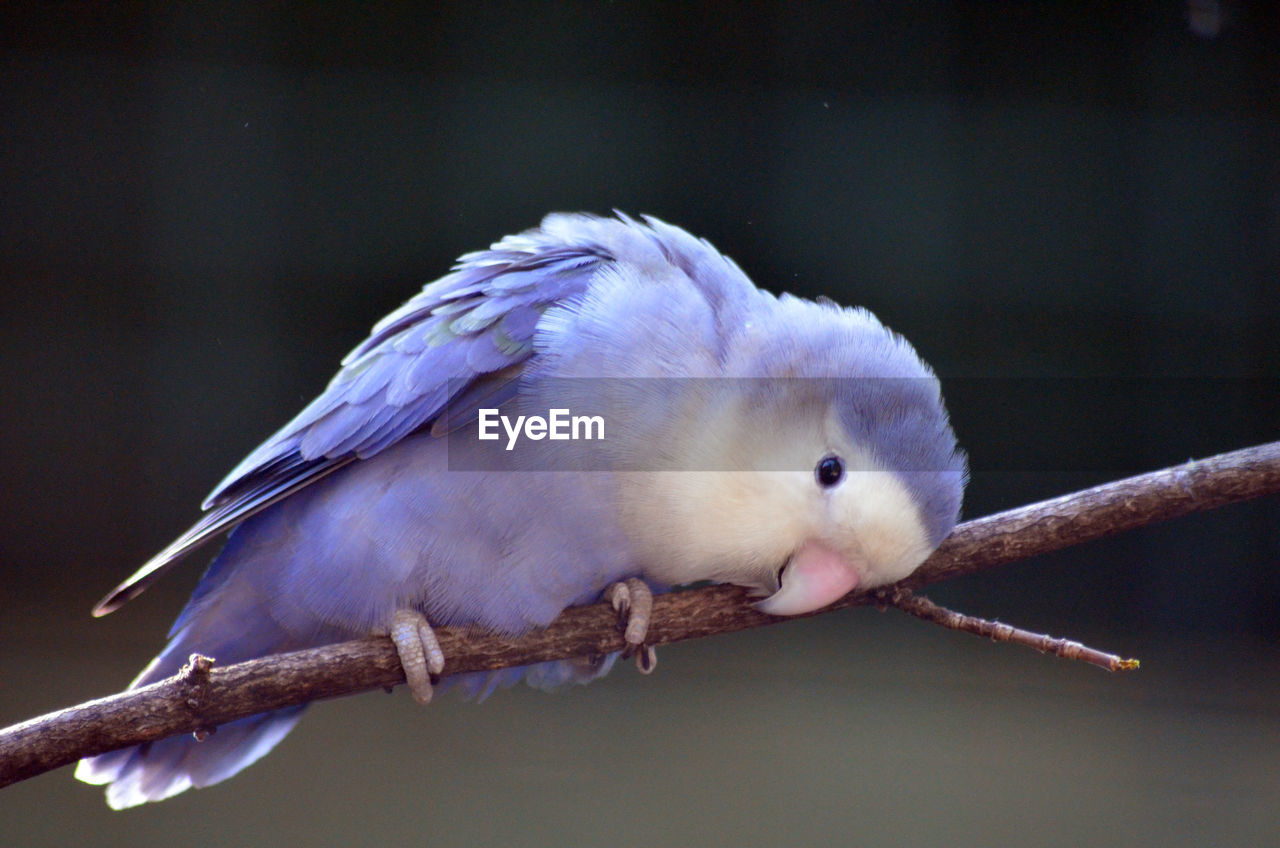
point(203, 697)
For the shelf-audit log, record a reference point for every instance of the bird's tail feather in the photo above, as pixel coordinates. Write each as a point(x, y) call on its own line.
point(157, 770)
point(215, 625)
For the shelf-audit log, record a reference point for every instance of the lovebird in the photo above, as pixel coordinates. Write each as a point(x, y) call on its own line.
point(794, 447)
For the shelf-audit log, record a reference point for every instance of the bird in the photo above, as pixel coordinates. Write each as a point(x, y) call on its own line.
point(795, 447)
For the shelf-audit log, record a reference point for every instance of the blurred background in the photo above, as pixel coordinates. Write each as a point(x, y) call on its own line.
point(1072, 210)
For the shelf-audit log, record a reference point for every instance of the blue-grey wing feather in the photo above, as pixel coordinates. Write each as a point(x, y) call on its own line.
point(471, 326)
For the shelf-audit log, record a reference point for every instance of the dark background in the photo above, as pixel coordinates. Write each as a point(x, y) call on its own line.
point(202, 209)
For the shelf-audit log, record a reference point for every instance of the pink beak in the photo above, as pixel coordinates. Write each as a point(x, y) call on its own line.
point(814, 577)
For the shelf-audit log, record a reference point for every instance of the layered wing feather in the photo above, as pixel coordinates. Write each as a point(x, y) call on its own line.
point(463, 337)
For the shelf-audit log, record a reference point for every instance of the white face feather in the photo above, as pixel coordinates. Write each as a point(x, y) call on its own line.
point(741, 526)
point(726, 489)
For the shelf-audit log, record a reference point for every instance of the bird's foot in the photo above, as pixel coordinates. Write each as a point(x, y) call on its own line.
point(633, 601)
point(419, 651)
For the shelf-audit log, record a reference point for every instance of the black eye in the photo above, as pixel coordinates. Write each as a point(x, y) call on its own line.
point(830, 470)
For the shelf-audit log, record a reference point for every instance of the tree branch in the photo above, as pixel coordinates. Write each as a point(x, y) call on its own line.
point(202, 698)
point(922, 607)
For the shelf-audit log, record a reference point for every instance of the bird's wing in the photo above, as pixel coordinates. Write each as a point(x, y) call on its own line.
point(462, 338)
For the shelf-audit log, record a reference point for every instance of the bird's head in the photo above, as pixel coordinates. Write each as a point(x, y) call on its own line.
point(822, 462)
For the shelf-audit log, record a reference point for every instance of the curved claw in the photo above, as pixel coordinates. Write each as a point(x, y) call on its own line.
point(647, 659)
point(419, 650)
point(633, 600)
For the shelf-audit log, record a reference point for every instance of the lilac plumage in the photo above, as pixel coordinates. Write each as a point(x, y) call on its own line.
point(822, 457)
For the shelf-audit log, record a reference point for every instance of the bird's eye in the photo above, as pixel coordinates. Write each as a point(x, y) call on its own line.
point(829, 471)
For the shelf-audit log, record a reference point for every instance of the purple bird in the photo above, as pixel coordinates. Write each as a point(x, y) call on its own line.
point(442, 479)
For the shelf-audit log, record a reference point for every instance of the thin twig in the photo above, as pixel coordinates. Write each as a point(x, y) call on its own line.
point(163, 709)
point(922, 607)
